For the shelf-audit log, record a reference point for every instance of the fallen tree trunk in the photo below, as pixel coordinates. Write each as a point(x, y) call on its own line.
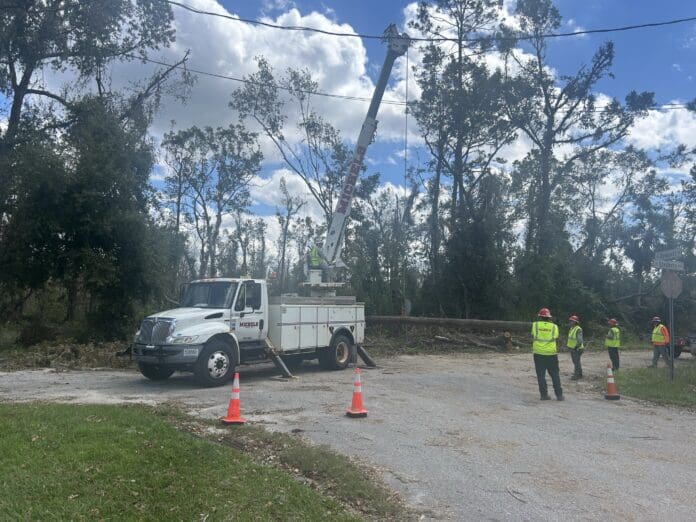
point(463, 324)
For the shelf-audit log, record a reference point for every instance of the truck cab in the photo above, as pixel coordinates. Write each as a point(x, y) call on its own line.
point(204, 333)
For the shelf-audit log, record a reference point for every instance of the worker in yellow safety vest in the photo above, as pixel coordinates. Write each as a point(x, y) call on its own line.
point(545, 337)
point(576, 345)
point(660, 342)
point(613, 343)
point(314, 257)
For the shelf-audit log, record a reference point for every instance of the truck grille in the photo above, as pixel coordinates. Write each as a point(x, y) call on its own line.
point(155, 331)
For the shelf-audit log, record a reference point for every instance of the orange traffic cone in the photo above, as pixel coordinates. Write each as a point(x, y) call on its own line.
point(356, 407)
point(233, 414)
point(612, 393)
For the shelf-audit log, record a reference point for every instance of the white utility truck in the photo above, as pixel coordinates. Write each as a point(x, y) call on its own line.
point(222, 323)
point(226, 322)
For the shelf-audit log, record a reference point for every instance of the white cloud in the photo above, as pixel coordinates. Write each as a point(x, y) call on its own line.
point(664, 128)
point(574, 27)
point(690, 41)
point(516, 150)
point(277, 5)
point(265, 190)
point(507, 14)
point(227, 47)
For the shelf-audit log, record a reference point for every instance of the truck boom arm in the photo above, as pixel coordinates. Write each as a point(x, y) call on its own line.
point(331, 250)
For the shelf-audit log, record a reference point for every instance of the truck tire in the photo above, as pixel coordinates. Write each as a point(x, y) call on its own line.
point(155, 372)
point(336, 356)
point(215, 364)
point(677, 351)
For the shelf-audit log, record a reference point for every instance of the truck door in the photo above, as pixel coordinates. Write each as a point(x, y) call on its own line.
point(248, 312)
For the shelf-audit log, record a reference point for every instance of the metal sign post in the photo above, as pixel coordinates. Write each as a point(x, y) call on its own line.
point(671, 286)
point(671, 339)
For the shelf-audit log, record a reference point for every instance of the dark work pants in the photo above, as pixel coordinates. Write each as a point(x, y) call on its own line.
point(614, 356)
point(575, 354)
point(660, 351)
point(547, 363)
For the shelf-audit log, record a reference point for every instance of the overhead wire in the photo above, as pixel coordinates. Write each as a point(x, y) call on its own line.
point(398, 103)
point(431, 39)
point(669, 106)
point(251, 82)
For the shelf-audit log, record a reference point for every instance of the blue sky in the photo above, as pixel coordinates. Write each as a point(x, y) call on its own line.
point(657, 59)
point(645, 58)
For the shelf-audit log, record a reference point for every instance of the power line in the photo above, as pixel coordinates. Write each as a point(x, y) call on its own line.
point(441, 39)
point(251, 82)
point(665, 106)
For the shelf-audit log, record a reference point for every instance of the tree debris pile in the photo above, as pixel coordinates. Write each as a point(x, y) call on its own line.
point(395, 339)
point(66, 356)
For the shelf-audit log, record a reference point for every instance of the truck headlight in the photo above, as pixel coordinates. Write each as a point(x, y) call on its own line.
point(183, 339)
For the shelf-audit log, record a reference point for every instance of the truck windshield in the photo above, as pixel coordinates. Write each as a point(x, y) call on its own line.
point(215, 294)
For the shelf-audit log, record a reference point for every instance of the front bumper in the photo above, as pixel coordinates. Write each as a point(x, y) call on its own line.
point(168, 354)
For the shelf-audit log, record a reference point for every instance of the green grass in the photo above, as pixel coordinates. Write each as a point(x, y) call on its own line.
point(332, 472)
point(68, 462)
point(654, 384)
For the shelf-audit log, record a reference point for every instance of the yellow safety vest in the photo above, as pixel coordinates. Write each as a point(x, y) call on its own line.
point(314, 258)
point(658, 338)
point(573, 337)
point(615, 340)
point(544, 334)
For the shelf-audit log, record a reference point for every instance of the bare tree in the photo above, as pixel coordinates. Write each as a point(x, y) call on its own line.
point(318, 155)
point(291, 206)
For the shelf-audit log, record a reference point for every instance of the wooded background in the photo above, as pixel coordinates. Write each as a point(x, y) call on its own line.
point(88, 244)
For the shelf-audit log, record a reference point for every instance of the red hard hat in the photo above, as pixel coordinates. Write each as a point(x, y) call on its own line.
point(574, 318)
point(545, 312)
point(612, 322)
point(656, 319)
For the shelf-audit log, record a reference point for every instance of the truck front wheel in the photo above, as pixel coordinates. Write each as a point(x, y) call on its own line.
point(155, 372)
point(215, 365)
point(336, 356)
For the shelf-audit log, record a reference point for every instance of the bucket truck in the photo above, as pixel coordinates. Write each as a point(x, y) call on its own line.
point(223, 323)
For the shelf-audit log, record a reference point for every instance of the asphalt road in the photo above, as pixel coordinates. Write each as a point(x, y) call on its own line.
point(460, 437)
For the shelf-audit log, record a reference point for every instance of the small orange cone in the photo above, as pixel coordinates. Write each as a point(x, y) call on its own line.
point(612, 393)
point(233, 414)
point(356, 407)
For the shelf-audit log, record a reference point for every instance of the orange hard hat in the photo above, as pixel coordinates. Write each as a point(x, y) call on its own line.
point(574, 318)
point(545, 312)
point(612, 322)
point(656, 319)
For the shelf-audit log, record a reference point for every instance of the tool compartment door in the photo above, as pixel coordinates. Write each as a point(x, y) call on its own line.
point(308, 326)
point(323, 334)
point(289, 327)
point(360, 325)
